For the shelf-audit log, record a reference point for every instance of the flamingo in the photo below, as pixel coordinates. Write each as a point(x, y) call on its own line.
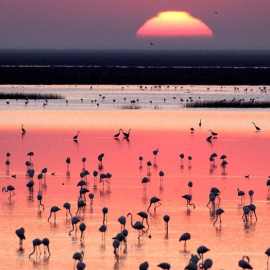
point(145, 180)
point(78, 256)
point(74, 222)
point(166, 218)
point(245, 264)
point(185, 237)
point(39, 197)
point(154, 200)
point(201, 250)
point(36, 242)
point(91, 197)
point(122, 221)
point(82, 228)
point(140, 159)
point(9, 189)
point(155, 152)
point(250, 193)
point(54, 209)
point(241, 194)
point(144, 266)
point(137, 226)
point(252, 208)
point(20, 233)
point(144, 216)
point(219, 211)
point(75, 138)
point(81, 266)
point(209, 139)
point(23, 130)
point(116, 244)
point(105, 212)
point(206, 265)
point(164, 265)
point(188, 197)
point(81, 204)
point(191, 266)
point(190, 185)
point(46, 243)
point(213, 133)
point(267, 252)
point(126, 135)
point(246, 211)
point(117, 134)
point(257, 128)
point(67, 207)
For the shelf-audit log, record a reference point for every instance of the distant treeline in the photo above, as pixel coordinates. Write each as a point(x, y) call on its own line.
point(135, 67)
point(30, 96)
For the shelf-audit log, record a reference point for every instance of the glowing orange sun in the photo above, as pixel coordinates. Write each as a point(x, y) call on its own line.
point(174, 24)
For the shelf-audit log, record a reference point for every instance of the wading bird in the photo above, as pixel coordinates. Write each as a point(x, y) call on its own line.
point(126, 135)
point(54, 209)
point(9, 189)
point(154, 200)
point(23, 130)
point(245, 264)
point(74, 222)
point(219, 211)
point(117, 135)
point(257, 128)
point(201, 250)
point(137, 226)
point(20, 233)
point(36, 243)
point(39, 197)
point(75, 138)
point(46, 243)
point(188, 197)
point(144, 216)
point(164, 265)
point(67, 206)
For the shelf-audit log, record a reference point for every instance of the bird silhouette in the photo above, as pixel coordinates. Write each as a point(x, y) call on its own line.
point(80, 266)
point(251, 193)
point(137, 226)
point(246, 211)
point(20, 233)
point(185, 237)
point(46, 243)
point(154, 200)
point(257, 128)
point(126, 135)
point(267, 252)
point(81, 205)
point(116, 244)
point(75, 138)
point(54, 209)
point(213, 133)
point(241, 194)
point(144, 216)
point(145, 180)
point(252, 208)
point(219, 211)
point(36, 243)
point(23, 130)
point(188, 197)
point(164, 265)
point(9, 189)
point(144, 266)
point(77, 256)
point(244, 263)
point(117, 134)
point(201, 250)
point(39, 197)
point(166, 218)
point(122, 220)
point(74, 222)
point(82, 228)
point(206, 265)
point(191, 266)
point(67, 206)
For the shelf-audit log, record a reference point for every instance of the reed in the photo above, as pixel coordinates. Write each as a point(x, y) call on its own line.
point(131, 107)
point(30, 96)
point(228, 104)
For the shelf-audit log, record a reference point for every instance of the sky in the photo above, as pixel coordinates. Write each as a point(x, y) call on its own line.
point(113, 24)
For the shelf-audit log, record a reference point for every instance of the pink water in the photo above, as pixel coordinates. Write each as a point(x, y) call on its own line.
point(247, 153)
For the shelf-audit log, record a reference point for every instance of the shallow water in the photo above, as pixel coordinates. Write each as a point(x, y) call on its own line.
point(139, 97)
point(49, 135)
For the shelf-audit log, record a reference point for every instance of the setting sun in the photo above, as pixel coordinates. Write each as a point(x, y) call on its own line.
point(174, 24)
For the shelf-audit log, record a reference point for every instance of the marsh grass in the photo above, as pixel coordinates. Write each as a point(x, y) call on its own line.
point(228, 104)
point(30, 96)
point(131, 107)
